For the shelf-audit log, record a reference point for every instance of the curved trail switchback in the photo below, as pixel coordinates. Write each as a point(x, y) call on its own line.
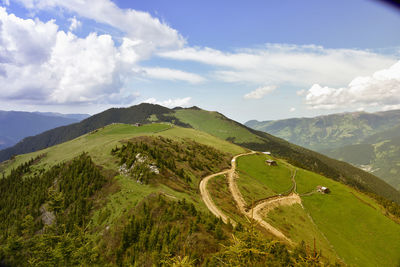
point(263, 207)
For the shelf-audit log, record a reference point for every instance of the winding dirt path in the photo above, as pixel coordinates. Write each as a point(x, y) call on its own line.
point(263, 207)
point(205, 195)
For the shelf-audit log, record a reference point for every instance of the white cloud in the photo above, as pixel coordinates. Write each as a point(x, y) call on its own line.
point(292, 109)
point(382, 88)
point(137, 25)
point(301, 92)
point(171, 103)
point(259, 92)
point(285, 64)
point(39, 64)
point(24, 42)
point(75, 24)
point(171, 74)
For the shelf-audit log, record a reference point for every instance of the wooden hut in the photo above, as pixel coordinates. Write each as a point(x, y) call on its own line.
point(271, 162)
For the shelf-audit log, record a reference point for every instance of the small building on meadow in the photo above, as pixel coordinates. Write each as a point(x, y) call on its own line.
point(271, 162)
point(137, 124)
point(323, 189)
point(267, 153)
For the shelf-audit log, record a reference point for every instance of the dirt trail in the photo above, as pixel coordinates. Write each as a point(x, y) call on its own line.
point(262, 207)
point(270, 204)
point(205, 195)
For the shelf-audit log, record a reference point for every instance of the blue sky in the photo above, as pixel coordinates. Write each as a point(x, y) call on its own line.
point(247, 59)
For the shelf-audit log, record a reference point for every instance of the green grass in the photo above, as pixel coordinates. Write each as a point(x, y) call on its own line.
point(214, 123)
point(258, 180)
point(295, 223)
point(100, 142)
point(203, 138)
point(352, 222)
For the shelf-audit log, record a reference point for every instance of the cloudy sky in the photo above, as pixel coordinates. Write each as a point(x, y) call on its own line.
point(247, 59)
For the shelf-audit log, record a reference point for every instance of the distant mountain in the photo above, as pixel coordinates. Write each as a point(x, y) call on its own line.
point(370, 141)
point(378, 154)
point(77, 117)
point(215, 124)
point(16, 125)
point(331, 131)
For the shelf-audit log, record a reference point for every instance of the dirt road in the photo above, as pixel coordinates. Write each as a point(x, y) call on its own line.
point(262, 207)
point(270, 204)
point(205, 195)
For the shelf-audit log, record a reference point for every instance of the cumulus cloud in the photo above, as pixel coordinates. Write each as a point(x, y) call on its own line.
point(25, 42)
point(285, 64)
point(170, 74)
point(40, 64)
point(75, 24)
point(171, 103)
point(382, 88)
point(259, 92)
point(137, 25)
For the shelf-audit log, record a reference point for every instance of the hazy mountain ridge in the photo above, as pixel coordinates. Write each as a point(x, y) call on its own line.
point(75, 116)
point(16, 125)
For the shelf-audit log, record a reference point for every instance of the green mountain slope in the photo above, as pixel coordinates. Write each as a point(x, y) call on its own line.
point(368, 141)
point(331, 131)
point(136, 114)
point(123, 195)
point(218, 125)
point(381, 158)
point(341, 221)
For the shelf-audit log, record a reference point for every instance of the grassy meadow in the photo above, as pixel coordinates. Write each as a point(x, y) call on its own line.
point(258, 180)
point(215, 124)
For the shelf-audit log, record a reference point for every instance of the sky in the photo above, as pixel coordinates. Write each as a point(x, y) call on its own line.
point(263, 60)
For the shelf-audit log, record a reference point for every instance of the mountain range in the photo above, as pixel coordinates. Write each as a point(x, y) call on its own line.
point(370, 141)
point(16, 125)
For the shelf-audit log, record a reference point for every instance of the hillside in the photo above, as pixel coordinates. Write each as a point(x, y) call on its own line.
point(17, 125)
point(369, 141)
point(218, 125)
point(331, 131)
point(380, 158)
point(332, 219)
point(123, 194)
